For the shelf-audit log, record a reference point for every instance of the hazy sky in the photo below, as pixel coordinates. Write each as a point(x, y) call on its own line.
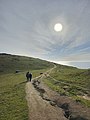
point(26, 28)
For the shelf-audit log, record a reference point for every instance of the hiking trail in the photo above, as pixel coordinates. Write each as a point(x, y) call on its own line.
point(46, 104)
point(40, 109)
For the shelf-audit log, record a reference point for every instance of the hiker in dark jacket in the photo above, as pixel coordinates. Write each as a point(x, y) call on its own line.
point(30, 76)
point(27, 76)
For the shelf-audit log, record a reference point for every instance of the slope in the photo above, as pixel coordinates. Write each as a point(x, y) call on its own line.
point(46, 104)
point(10, 63)
point(13, 105)
point(70, 81)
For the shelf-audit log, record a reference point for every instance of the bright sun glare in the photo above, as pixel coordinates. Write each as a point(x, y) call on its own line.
point(58, 27)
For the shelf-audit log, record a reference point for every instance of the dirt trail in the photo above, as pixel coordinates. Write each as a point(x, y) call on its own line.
point(46, 104)
point(40, 109)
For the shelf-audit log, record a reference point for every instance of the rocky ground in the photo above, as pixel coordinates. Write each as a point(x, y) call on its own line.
point(41, 109)
point(46, 104)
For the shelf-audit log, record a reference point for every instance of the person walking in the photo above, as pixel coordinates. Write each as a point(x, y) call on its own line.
point(27, 76)
point(30, 76)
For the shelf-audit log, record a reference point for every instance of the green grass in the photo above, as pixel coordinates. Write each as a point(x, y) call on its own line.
point(82, 101)
point(73, 76)
point(11, 63)
point(70, 81)
point(13, 104)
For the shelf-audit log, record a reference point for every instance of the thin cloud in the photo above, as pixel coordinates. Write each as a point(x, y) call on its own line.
point(26, 27)
point(77, 57)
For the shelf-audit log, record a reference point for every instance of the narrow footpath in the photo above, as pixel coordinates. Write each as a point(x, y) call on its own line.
point(46, 104)
point(40, 109)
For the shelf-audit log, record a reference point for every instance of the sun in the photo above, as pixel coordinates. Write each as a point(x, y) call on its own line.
point(58, 27)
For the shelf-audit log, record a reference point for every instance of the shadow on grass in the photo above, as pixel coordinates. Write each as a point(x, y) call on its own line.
point(23, 82)
point(19, 84)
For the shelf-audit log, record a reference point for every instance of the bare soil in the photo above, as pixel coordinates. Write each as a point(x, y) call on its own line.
point(46, 104)
point(40, 109)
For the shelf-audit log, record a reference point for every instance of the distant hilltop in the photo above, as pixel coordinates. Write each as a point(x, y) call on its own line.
point(10, 63)
point(4, 54)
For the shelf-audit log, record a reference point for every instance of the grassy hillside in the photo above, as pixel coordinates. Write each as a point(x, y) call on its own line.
point(11, 63)
point(13, 105)
point(70, 81)
point(63, 79)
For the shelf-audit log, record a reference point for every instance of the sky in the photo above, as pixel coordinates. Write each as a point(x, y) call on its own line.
point(27, 28)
